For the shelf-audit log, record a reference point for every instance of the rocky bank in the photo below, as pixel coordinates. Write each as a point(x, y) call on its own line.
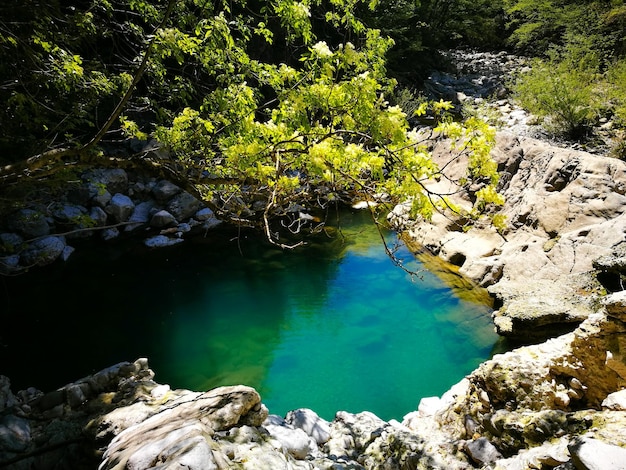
point(565, 212)
point(557, 402)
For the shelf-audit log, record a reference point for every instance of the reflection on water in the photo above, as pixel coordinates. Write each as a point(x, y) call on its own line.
point(334, 326)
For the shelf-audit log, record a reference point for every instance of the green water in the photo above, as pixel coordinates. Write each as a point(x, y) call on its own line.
point(334, 326)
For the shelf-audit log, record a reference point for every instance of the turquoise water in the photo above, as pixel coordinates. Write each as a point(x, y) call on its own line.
point(333, 326)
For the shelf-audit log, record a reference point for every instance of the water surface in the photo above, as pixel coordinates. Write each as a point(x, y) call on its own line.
point(333, 326)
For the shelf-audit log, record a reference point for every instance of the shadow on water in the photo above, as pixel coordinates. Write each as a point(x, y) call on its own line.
point(333, 326)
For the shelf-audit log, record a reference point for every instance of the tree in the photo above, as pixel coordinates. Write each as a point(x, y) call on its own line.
point(590, 30)
point(259, 117)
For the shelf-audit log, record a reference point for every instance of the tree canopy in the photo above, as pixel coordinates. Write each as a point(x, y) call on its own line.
point(256, 106)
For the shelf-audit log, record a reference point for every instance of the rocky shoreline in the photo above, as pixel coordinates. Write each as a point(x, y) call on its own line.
point(565, 211)
point(558, 404)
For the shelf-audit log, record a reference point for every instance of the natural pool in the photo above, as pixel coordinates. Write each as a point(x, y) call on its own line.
point(333, 326)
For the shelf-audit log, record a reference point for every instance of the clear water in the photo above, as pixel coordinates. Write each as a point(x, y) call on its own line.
point(334, 326)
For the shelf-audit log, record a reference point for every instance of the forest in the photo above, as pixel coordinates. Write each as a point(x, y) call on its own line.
point(258, 106)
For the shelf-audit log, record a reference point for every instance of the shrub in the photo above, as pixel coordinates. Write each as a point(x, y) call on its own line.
point(561, 94)
point(616, 90)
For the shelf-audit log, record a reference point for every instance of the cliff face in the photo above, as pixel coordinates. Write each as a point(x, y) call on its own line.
point(559, 403)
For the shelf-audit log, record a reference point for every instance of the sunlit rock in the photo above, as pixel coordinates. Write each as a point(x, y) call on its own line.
point(307, 420)
point(292, 440)
point(482, 451)
point(564, 209)
point(615, 401)
point(593, 454)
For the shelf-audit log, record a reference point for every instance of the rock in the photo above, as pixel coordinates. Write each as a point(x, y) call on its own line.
point(544, 395)
point(75, 395)
point(352, 432)
point(68, 213)
point(183, 206)
point(593, 454)
point(112, 180)
point(101, 197)
point(613, 262)
point(307, 420)
point(43, 251)
point(183, 422)
point(564, 209)
point(7, 399)
point(204, 214)
point(548, 455)
point(160, 241)
point(29, 223)
point(527, 312)
point(67, 252)
point(140, 216)
point(14, 433)
point(10, 243)
point(428, 406)
point(292, 440)
point(210, 223)
point(10, 265)
point(120, 208)
point(615, 305)
point(71, 218)
point(110, 234)
point(615, 401)
point(482, 451)
point(164, 190)
point(162, 219)
point(98, 216)
point(185, 447)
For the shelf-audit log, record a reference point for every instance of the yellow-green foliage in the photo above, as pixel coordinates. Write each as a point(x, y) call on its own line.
point(331, 126)
point(616, 90)
point(250, 103)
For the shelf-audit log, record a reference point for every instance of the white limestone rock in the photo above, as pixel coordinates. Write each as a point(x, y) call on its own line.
point(593, 454)
point(309, 421)
point(615, 401)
